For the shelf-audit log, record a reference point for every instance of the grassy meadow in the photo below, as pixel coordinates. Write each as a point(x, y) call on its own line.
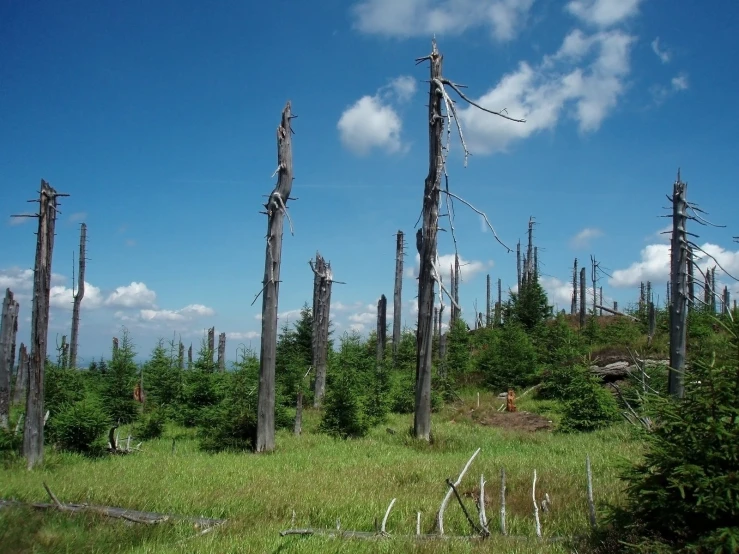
point(321, 480)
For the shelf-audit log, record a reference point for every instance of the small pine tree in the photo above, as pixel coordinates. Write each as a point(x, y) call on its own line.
point(119, 382)
point(163, 379)
point(458, 349)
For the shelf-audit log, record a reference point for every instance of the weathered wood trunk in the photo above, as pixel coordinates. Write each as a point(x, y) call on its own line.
point(528, 266)
point(679, 286)
point(322, 281)
point(381, 327)
point(582, 298)
point(78, 296)
point(642, 297)
point(428, 254)
point(211, 344)
point(222, 352)
point(594, 278)
point(727, 301)
point(62, 354)
point(536, 264)
point(713, 290)
point(189, 357)
point(181, 356)
point(115, 345)
point(488, 306)
point(21, 376)
point(518, 266)
point(691, 279)
point(573, 306)
point(499, 305)
point(457, 276)
point(276, 208)
point(397, 294)
point(615, 306)
point(8, 329)
point(33, 427)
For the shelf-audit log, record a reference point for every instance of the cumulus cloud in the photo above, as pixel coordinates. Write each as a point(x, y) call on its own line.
point(467, 268)
point(583, 80)
point(248, 335)
point(63, 297)
point(585, 237)
point(188, 313)
point(559, 293)
point(135, 295)
point(414, 18)
point(21, 280)
point(603, 13)
point(663, 55)
point(678, 83)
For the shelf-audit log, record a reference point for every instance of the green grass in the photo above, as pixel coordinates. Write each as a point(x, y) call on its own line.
point(321, 479)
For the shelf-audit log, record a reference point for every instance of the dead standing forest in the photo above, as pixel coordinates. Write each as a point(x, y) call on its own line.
point(600, 430)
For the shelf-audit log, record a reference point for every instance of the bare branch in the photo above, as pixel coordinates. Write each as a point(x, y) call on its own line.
point(387, 513)
point(447, 497)
point(480, 213)
point(464, 97)
point(714, 259)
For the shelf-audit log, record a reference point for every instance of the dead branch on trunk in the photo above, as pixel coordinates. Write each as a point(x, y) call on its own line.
point(78, 296)
point(276, 208)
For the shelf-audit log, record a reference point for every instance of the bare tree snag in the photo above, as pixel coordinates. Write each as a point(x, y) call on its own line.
point(726, 301)
point(573, 307)
point(713, 290)
point(528, 266)
point(222, 352)
point(115, 345)
point(21, 376)
point(594, 278)
point(322, 281)
point(211, 344)
point(181, 356)
point(78, 296)
point(600, 299)
point(488, 315)
point(679, 285)
point(582, 298)
point(397, 298)
point(429, 271)
point(499, 305)
point(62, 353)
point(189, 357)
point(453, 287)
point(8, 326)
point(276, 208)
point(381, 327)
point(518, 265)
point(33, 426)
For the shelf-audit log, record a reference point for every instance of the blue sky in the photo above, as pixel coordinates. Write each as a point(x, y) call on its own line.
point(159, 119)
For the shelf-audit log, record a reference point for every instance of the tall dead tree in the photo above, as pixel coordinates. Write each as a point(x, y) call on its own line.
point(726, 301)
point(78, 296)
point(600, 299)
point(181, 356)
point(322, 281)
point(529, 266)
point(276, 209)
point(499, 304)
point(429, 271)
point(582, 298)
point(8, 329)
point(573, 306)
point(381, 327)
point(21, 376)
point(222, 352)
point(189, 357)
point(594, 278)
point(115, 345)
point(679, 286)
point(518, 265)
point(713, 290)
point(488, 315)
point(211, 344)
point(397, 298)
point(33, 427)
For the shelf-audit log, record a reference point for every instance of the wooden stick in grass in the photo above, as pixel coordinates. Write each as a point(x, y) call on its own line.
point(450, 491)
point(591, 503)
point(502, 501)
point(536, 507)
point(387, 513)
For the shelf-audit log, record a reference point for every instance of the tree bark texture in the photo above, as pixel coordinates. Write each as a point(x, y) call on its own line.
point(8, 329)
point(276, 207)
point(679, 286)
point(381, 327)
point(211, 344)
point(691, 279)
point(499, 305)
point(397, 294)
point(488, 306)
point(582, 298)
point(573, 307)
point(78, 296)
point(322, 280)
point(21, 376)
point(428, 256)
point(33, 426)
point(518, 265)
point(222, 352)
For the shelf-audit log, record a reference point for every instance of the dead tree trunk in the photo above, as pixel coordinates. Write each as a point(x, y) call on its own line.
point(691, 279)
point(594, 278)
point(62, 353)
point(528, 266)
point(21, 376)
point(276, 208)
point(8, 326)
point(189, 357)
point(181, 356)
point(457, 275)
point(452, 285)
point(499, 305)
point(322, 281)
point(713, 290)
point(600, 299)
point(222, 352)
point(573, 307)
point(381, 328)
point(298, 427)
point(428, 253)
point(679, 286)
point(78, 296)
point(115, 345)
point(727, 301)
point(518, 266)
point(488, 306)
point(642, 297)
point(582, 298)
point(397, 298)
point(211, 344)
point(33, 427)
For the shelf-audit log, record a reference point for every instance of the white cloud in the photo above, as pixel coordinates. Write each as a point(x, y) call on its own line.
point(162, 315)
point(197, 310)
point(363, 317)
point(62, 297)
point(16, 279)
point(587, 74)
point(663, 55)
point(358, 327)
point(249, 335)
point(413, 18)
point(559, 294)
point(369, 124)
point(77, 217)
point(679, 82)
point(403, 87)
point(603, 13)
point(467, 268)
point(584, 237)
point(135, 295)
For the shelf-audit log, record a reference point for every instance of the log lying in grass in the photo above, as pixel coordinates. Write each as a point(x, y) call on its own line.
point(134, 516)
